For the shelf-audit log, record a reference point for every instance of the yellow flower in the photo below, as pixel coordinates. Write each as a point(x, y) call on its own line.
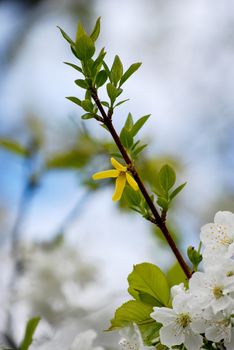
point(122, 175)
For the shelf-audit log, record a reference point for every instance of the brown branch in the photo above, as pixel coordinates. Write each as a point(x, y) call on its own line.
point(159, 221)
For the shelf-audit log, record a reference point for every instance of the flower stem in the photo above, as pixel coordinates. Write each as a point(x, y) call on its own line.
point(159, 221)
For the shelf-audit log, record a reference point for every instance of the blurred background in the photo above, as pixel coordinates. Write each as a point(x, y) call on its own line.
point(66, 248)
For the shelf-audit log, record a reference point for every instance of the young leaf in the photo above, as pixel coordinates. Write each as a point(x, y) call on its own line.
point(162, 202)
point(177, 191)
point(29, 332)
point(147, 278)
point(87, 105)
point(138, 150)
point(133, 311)
point(132, 69)
point(87, 116)
point(82, 83)
point(167, 177)
point(129, 123)
point(80, 31)
point(138, 125)
point(13, 147)
point(76, 100)
point(116, 70)
point(101, 78)
point(84, 48)
point(112, 92)
point(126, 138)
point(96, 30)
point(97, 64)
point(107, 70)
point(74, 66)
point(119, 103)
point(66, 37)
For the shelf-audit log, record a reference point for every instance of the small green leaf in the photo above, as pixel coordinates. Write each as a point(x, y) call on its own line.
point(85, 48)
point(175, 275)
point(112, 92)
point(132, 69)
point(177, 191)
point(96, 30)
point(129, 123)
point(116, 70)
point(101, 78)
point(138, 150)
point(87, 116)
point(147, 278)
point(66, 37)
point(14, 147)
point(107, 70)
point(76, 100)
point(119, 103)
point(82, 83)
point(29, 332)
point(97, 64)
point(80, 31)
point(167, 177)
point(126, 138)
point(162, 202)
point(133, 311)
point(138, 125)
point(87, 105)
point(74, 66)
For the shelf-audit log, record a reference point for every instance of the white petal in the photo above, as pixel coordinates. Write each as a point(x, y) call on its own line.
point(171, 334)
point(163, 315)
point(224, 218)
point(193, 341)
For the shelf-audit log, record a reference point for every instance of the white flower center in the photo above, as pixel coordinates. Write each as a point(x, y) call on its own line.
point(184, 320)
point(217, 292)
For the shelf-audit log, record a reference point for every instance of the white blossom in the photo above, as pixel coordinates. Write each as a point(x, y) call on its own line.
point(218, 237)
point(178, 324)
point(132, 340)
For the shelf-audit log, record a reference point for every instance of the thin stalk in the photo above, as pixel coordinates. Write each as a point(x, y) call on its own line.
point(159, 221)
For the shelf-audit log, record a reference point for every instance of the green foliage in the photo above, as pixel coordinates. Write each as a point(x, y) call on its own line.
point(116, 72)
point(75, 158)
point(101, 78)
point(84, 47)
point(75, 100)
point(66, 37)
point(166, 180)
point(133, 311)
point(29, 332)
point(175, 275)
point(14, 147)
point(96, 30)
point(194, 256)
point(147, 282)
point(130, 71)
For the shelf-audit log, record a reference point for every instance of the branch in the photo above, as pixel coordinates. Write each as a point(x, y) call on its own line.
point(159, 221)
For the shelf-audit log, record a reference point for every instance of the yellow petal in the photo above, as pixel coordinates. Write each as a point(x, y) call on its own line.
point(132, 182)
point(105, 174)
point(117, 165)
point(119, 187)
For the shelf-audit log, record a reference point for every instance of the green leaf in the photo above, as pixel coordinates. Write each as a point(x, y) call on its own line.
point(138, 150)
point(66, 37)
point(126, 138)
point(149, 331)
point(116, 70)
point(147, 278)
point(107, 70)
point(129, 123)
point(167, 177)
point(132, 197)
point(14, 147)
point(101, 78)
point(97, 64)
point(112, 92)
point(133, 311)
point(87, 105)
point(76, 100)
point(80, 31)
point(175, 275)
point(138, 125)
point(29, 332)
point(87, 116)
point(71, 159)
point(119, 103)
point(132, 69)
point(162, 202)
point(177, 191)
point(105, 104)
point(74, 66)
point(84, 47)
point(82, 83)
point(96, 30)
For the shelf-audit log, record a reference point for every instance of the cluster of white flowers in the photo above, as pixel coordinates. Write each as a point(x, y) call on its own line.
point(206, 309)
